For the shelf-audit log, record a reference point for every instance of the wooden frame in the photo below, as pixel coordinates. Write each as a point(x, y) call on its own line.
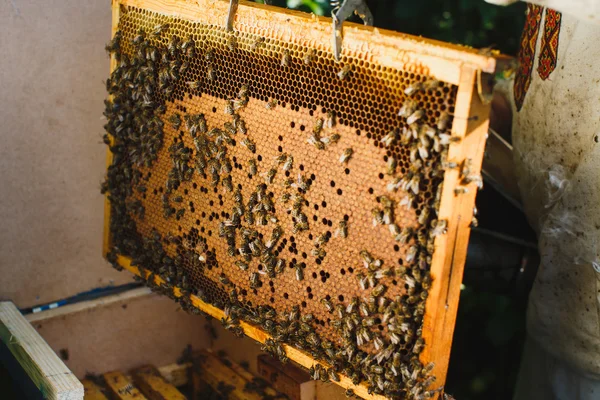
point(49, 374)
point(450, 63)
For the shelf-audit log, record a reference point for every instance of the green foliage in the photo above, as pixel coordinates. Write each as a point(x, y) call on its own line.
point(470, 22)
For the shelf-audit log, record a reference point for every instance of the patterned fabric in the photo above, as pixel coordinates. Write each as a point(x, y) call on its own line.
point(527, 53)
point(549, 44)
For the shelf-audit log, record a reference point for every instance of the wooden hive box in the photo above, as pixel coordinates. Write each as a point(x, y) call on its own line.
point(320, 207)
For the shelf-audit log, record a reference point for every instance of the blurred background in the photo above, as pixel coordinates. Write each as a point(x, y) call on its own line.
point(502, 258)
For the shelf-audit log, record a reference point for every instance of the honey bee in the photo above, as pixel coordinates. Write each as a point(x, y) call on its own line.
point(175, 121)
point(408, 108)
point(232, 42)
point(440, 228)
point(285, 197)
point(343, 73)
point(257, 43)
point(331, 139)
point(461, 190)
point(241, 126)
point(160, 29)
point(413, 88)
point(319, 253)
point(423, 216)
point(286, 58)
point(210, 73)
point(405, 235)
point(443, 121)
point(342, 230)
point(270, 175)
point(254, 280)
point(328, 304)
point(310, 56)
point(229, 107)
point(333, 375)
point(299, 272)
point(377, 215)
point(194, 84)
point(249, 144)
point(252, 167)
point(271, 104)
point(390, 138)
point(346, 156)
point(411, 254)
point(289, 163)
point(391, 165)
point(180, 213)
point(415, 116)
point(316, 141)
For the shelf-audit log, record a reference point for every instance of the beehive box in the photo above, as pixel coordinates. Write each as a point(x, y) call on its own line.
point(320, 207)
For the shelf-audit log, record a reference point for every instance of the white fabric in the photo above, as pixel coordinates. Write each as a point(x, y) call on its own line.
point(556, 138)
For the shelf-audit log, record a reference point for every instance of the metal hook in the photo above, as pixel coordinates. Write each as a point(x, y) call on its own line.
point(341, 14)
point(233, 5)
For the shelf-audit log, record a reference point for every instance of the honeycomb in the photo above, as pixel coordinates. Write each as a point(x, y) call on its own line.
point(295, 192)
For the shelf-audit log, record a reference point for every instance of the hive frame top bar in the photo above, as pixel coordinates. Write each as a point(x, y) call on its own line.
point(388, 48)
point(453, 64)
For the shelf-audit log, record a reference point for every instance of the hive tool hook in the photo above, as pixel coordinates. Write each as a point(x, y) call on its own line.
point(233, 5)
point(341, 14)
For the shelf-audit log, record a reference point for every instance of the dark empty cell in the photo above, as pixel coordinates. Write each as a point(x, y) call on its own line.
point(285, 295)
point(323, 279)
point(304, 255)
point(211, 203)
point(192, 209)
point(293, 124)
point(215, 190)
point(287, 174)
point(322, 273)
point(203, 214)
point(314, 275)
point(339, 192)
point(341, 297)
point(394, 282)
point(209, 233)
point(332, 183)
point(343, 271)
point(304, 304)
point(313, 177)
point(358, 132)
point(279, 149)
point(292, 239)
point(301, 168)
point(280, 138)
point(160, 189)
point(194, 185)
point(197, 222)
point(259, 157)
point(272, 290)
point(347, 171)
point(323, 204)
point(396, 247)
point(255, 291)
point(351, 270)
point(302, 128)
point(310, 296)
point(330, 223)
point(315, 218)
point(318, 261)
point(202, 229)
point(327, 275)
point(324, 220)
point(214, 109)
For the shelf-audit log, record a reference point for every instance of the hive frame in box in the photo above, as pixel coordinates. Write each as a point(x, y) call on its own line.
point(452, 64)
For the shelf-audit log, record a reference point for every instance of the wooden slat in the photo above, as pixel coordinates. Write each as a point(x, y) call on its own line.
point(213, 371)
point(286, 378)
point(92, 391)
point(88, 305)
point(49, 374)
point(175, 374)
point(245, 374)
point(122, 387)
point(152, 384)
point(451, 249)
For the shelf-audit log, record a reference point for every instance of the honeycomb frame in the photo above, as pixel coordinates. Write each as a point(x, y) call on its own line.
point(458, 70)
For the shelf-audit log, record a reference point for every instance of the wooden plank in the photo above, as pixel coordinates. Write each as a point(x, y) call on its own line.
point(49, 374)
point(121, 387)
point(216, 374)
point(152, 384)
point(246, 375)
point(92, 391)
point(176, 374)
point(88, 305)
point(286, 378)
point(451, 249)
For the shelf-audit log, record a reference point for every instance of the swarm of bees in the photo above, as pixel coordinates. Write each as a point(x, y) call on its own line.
point(379, 335)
